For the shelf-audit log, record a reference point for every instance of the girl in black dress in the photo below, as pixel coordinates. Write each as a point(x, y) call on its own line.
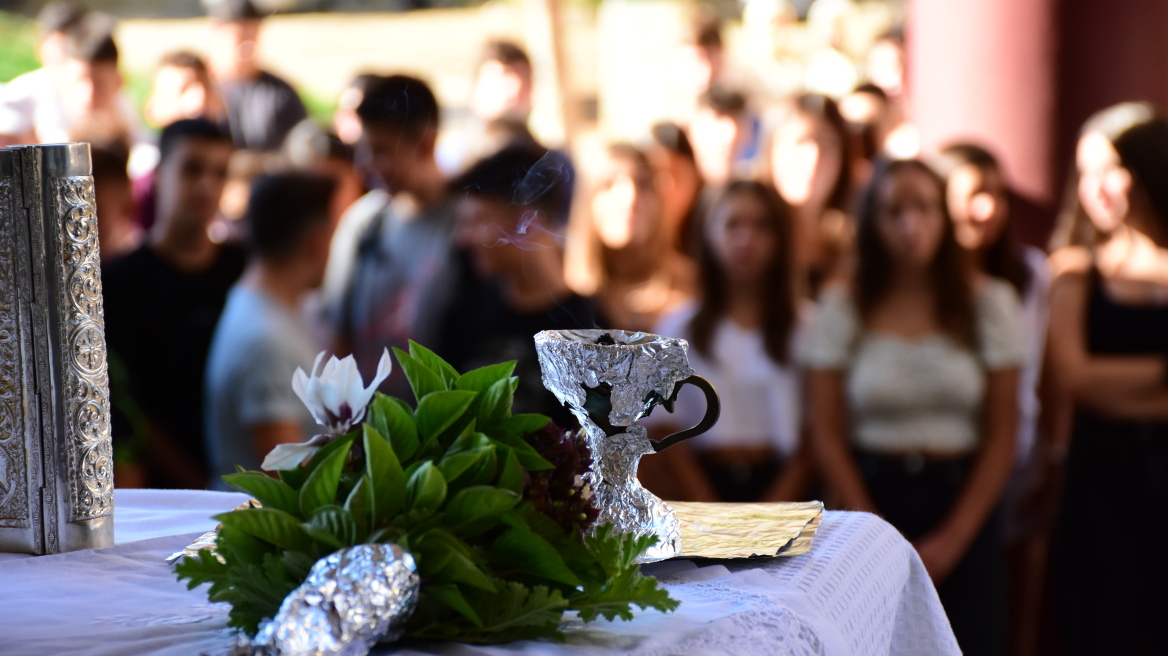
point(1108, 339)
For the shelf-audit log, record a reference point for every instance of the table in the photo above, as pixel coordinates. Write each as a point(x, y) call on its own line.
point(860, 591)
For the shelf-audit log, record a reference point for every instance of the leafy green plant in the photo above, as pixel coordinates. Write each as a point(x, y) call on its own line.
point(491, 505)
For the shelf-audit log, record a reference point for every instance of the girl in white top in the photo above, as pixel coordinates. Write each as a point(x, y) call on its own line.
point(741, 331)
point(913, 375)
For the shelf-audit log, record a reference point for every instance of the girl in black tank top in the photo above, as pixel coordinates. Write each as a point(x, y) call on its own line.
point(1109, 567)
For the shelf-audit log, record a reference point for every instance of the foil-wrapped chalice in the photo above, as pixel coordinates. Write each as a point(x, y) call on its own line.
point(609, 379)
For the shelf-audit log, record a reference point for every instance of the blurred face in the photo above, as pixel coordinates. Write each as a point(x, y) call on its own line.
point(177, 94)
point(90, 87)
point(862, 108)
point(625, 206)
point(742, 238)
point(487, 230)
point(910, 219)
point(233, 46)
point(1105, 186)
point(678, 181)
point(391, 155)
point(502, 91)
point(715, 141)
point(977, 202)
point(190, 182)
point(806, 160)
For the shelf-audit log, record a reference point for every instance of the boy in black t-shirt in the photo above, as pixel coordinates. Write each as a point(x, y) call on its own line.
point(506, 218)
point(162, 301)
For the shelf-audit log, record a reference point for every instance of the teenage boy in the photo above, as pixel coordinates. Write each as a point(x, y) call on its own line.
point(262, 108)
point(263, 336)
point(162, 300)
point(507, 227)
point(399, 272)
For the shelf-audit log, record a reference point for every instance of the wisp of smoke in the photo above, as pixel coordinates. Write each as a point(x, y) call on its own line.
point(549, 173)
point(523, 237)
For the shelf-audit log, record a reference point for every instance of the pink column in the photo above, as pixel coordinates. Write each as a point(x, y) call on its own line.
point(985, 71)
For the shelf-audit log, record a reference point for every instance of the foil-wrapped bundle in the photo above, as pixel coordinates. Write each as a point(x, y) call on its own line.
point(351, 600)
point(609, 379)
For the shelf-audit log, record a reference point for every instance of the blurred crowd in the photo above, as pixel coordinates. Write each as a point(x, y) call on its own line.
point(878, 335)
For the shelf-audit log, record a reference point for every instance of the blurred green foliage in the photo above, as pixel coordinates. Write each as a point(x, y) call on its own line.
point(320, 107)
point(18, 36)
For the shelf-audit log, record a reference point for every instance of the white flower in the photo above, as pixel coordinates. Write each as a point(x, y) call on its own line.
point(337, 400)
point(335, 395)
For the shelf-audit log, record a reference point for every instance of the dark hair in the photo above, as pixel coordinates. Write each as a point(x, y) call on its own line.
point(507, 53)
point(872, 90)
point(60, 16)
point(1003, 258)
point(723, 101)
point(951, 286)
point(91, 40)
point(401, 103)
point(109, 166)
point(233, 11)
point(521, 174)
point(282, 208)
point(189, 128)
point(777, 293)
point(672, 136)
point(1072, 226)
point(1139, 134)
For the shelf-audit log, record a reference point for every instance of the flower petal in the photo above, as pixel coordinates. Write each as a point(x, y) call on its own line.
point(362, 398)
point(384, 369)
point(306, 389)
point(288, 456)
point(300, 386)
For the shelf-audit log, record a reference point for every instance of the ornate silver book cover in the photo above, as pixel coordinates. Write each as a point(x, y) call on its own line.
point(56, 461)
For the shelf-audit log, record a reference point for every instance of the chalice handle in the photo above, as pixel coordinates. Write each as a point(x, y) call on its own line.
point(713, 410)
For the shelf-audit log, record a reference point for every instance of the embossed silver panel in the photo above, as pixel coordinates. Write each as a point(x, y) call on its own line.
point(54, 391)
point(14, 490)
point(81, 330)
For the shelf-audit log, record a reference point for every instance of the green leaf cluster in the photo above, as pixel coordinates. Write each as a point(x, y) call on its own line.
point(445, 479)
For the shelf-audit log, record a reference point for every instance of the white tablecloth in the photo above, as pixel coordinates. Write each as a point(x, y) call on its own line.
point(860, 591)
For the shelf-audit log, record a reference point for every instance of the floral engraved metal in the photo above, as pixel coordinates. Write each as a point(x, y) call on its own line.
point(82, 339)
point(14, 508)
